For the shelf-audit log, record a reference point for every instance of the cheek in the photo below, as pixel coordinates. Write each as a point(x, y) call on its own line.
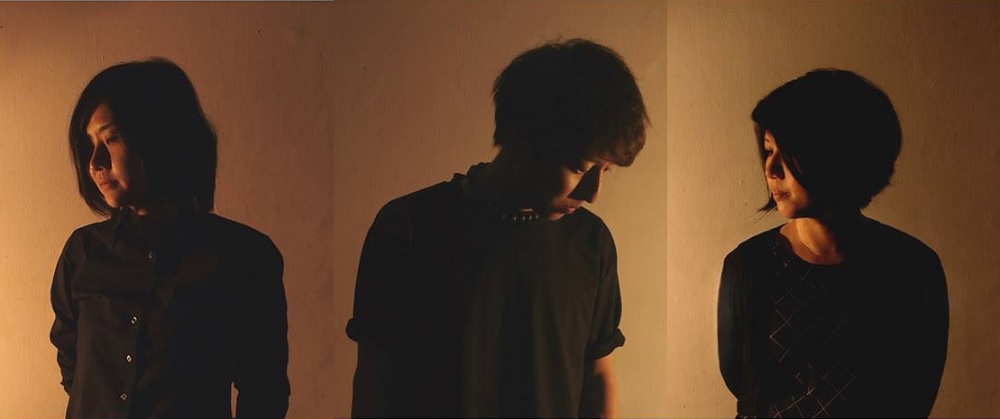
point(566, 185)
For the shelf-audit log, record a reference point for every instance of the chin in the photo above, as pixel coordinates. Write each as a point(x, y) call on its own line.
point(113, 202)
point(788, 213)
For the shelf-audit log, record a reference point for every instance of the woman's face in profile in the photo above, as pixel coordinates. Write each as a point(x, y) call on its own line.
point(791, 198)
point(117, 174)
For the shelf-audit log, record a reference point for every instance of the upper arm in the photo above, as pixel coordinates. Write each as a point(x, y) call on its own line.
point(729, 323)
point(605, 334)
point(377, 287)
point(262, 379)
point(376, 313)
point(64, 328)
point(924, 340)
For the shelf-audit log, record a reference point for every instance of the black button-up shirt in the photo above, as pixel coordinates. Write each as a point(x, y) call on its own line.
point(160, 320)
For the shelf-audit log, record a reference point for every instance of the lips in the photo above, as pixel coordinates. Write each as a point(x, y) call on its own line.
point(106, 184)
point(778, 195)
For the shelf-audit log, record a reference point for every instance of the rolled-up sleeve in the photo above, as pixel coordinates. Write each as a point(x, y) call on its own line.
point(376, 294)
point(605, 334)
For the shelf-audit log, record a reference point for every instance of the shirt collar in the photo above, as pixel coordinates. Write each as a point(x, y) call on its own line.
point(124, 222)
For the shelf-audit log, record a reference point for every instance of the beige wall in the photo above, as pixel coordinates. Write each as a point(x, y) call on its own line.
point(327, 110)
point(412, 106)
point(264, 77)
point(938, 62)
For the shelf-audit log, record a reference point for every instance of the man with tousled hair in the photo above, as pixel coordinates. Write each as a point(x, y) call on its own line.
point(496, 293)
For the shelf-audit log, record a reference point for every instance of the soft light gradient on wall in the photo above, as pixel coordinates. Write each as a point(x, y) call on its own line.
point(412, 106)
point(325, 111)
point(937, 62)
point(264, 78)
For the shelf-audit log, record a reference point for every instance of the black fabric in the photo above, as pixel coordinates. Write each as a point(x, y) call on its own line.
point(483, 317)
point(871, 340)
point(160, 320)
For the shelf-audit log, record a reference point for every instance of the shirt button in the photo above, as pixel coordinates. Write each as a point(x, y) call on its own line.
point(151, 255)
point(128, 358)
point(123, 396)
point(133, 320)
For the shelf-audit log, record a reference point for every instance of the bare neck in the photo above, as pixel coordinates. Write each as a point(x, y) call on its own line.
point(822, 241)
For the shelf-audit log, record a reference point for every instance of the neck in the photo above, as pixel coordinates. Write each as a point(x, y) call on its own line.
point(499, 182)
point(156, 210)
point(823, 240)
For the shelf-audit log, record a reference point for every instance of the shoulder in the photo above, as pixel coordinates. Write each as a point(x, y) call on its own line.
point(101, 228)
point(101, 232)
point(589, 226)
point(429, 198)
point(898, 247)
point(749, 256)
point(236, 235)
point(885, 235)
point(755, 246)
point(416, 208)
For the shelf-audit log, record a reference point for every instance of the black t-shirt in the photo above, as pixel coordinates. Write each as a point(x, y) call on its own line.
point(161, 320)
point(484, 317)
point(867, 337)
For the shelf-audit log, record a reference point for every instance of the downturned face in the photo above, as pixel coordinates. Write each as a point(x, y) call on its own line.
point(791, 198)
point(117, 174)
point(560, 187)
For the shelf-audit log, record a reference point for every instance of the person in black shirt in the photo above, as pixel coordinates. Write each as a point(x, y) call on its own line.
point(832, 314)
point(496, 294)
point(164, 306)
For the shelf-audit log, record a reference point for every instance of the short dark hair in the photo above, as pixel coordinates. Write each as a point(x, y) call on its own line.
point(572, 97)
point(838, 132)
point(156, 111)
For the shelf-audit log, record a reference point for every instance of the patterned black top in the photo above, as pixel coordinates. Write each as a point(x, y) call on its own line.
point(866, 338)
point(814, 332)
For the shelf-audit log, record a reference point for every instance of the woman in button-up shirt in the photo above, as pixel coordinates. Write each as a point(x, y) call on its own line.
point(163, 306)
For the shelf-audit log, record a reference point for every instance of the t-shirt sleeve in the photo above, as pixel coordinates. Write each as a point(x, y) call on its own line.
point(605, 334)
point(376, 291)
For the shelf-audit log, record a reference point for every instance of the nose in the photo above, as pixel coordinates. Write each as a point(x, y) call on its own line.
point(589, 186)
point(100, 158)
point(774, 166)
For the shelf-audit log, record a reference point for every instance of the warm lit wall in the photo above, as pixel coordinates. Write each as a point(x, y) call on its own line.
point(325, 111)
point(263, 74)
point(411, 106)
point(938, 62)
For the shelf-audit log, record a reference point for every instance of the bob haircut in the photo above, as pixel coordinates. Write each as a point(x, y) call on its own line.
point(572, 99)
point(156, 111)
point(839, 133)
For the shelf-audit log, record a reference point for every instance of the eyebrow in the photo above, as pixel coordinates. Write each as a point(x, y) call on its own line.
point(103, 128)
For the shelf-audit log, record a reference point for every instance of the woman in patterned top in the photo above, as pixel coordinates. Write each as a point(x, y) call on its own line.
point(832, 314)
